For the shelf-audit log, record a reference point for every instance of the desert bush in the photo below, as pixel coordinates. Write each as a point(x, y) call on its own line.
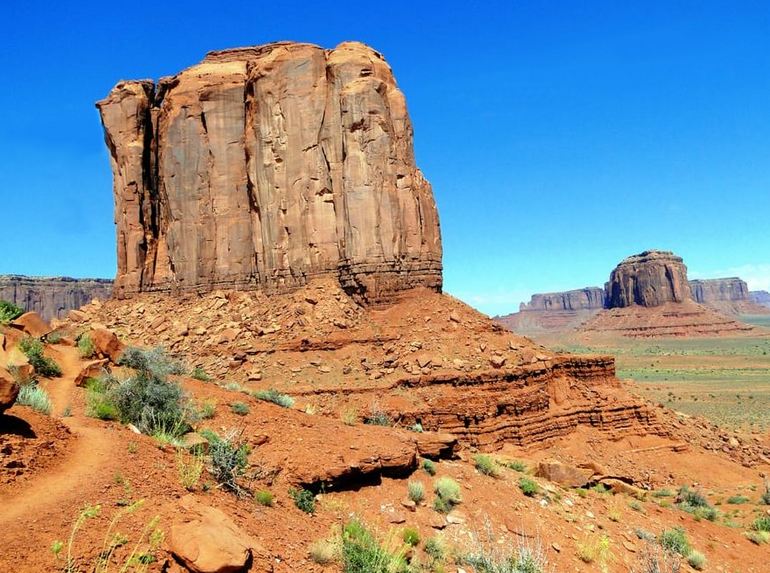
point(189, 468)
point(378, 417)
point(485, 465)
point(487, 555)
point(653, 559)
point(737, 499)
point(86, 346)
point(138, 557)
point(200, 374)
point(518, 466)
point(362, 553)
point(758, 537)
point(595, 550)
point(675, 540)
point(274, 396)
point(324, 551)
point(43, 365)
point(264, 497)
point(765, 498)
point(435, 548)
point(303, 499)
point(416, 491)
point(600, 488)
point(151, 362)
point(228, 460)
point(447, 494)
point(349, 416)
point(54, 337)
point(528, 486)
point(663, 493)
point(694, 502)
point(240, 408)
point(35, 397)
point(411, 536)
point(207, 410)
point(429, 466)
point(761, 523)
point(9, 312)
point(696, 560)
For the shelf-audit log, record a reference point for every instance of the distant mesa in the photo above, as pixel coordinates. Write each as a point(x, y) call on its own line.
point(52, 297)
point(262, 168)
point(760, 297)
point(647, 294)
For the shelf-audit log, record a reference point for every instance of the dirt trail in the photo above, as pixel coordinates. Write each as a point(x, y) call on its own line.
point(92, 445)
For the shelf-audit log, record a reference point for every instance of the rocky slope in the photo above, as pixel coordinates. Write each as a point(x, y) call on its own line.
point(52, 297)
point(727, 295)
point(267, 166)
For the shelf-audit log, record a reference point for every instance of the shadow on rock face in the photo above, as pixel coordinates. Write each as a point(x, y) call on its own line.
point(16, 426)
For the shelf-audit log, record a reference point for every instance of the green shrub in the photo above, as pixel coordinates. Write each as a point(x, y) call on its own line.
point(54, 337)
point(528, 486)
point(207, 410)
point(361, 553)
point(485, 465)
point(274, 396)
point(429, 466)
point(303, 499)
point(378, 418)
point(518, 466)
point(600, 488)
point(697, 560)
point(758, 537)
point(35, 397)
point(675, 540)
point(229, 458)
point(416, 491)
point(43, 365)
point(737, 499)
point(86, 346)
point(663, 493)
point(411, 536)
point(151, 363)
point(761, 523)
point(239, 408)
point(447, 494)
point(264, 497)
point(765, 499)
point(435, 548)
point(200, 374)
point(691, 498)
point(491, 557)
point(9, 312)
point(595, 550)
point(189, 469)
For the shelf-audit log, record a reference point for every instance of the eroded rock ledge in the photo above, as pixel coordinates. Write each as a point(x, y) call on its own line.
point(267, 166)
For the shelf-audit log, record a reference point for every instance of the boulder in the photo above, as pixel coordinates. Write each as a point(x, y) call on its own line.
point(32, 323)
point(205, 540)
point(9, 389)
point(277, 163)
point(563, 474)
point(92, 369)
point(106, 344)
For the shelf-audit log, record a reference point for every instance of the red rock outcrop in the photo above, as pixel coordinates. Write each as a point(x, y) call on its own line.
point(555, 311)
point(52, 297)
point(728, 295)
point(265, 167)
point(588, 298)
point(651, 278)
point(9, 390)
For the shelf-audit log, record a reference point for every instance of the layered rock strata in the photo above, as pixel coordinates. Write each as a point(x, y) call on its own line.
point(52, 297)
point(728, 295)
point(651, 278)
point(267, 166)
point(760, 297)
point(588, 298)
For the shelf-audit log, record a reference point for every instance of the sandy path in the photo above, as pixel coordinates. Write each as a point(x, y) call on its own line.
point(91, 451)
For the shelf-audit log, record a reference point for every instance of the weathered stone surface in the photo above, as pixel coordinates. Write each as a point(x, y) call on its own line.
point(563, 474)
point(52, 297)
point(268, 166)
point(32, 323)
point(205, 540)
point(106, 344)
point(728, 295)
point(91, 369)
point(760, 297)
point(9, 389)
point(587, 298)
point(651, 278)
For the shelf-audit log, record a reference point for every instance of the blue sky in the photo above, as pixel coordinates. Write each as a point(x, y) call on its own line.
point(559, 137)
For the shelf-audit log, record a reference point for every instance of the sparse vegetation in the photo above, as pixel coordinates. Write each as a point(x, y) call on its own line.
point(189, 468)
point(528, 486)
point(595, 549)
point(229, 458)
point(43, 365)
point(429, 466)
point(694, 502)
point(411, 536)
point(86, 346)
point(274, 396)
point(447, 494)
point(518, 466)
point(303, 499)
point(200, 374)
point(362, 553)
point(435, 548)
point(416, 491)
point(324, 551)
point(486, 465)
point(349, 416)
point(654, 559)
point(378, 417)
point(758, 537)
point(737, 499)
point(490, 556)
point(207, 410)
point(264, 497)
point(696, 560)
point(761, 523)
point(240, 408)
point(765, 498)
point(35, 397)
point(9, 312)
point(675, 540)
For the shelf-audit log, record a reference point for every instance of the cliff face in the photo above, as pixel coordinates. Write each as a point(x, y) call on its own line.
point(715, 290)
point(588, 298)
point(52, 297)
point(761, 297)
point(651, 278)
point(265, 167)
